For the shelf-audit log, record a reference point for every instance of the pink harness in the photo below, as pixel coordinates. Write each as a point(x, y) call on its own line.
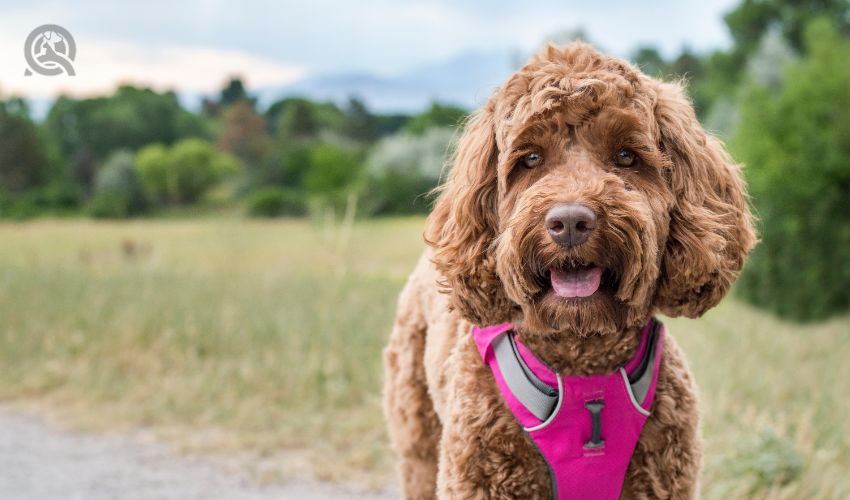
point(585, 427)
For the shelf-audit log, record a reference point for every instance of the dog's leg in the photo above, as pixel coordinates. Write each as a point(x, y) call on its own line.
point(414, 428)
point(667, 458)
point(483, 451)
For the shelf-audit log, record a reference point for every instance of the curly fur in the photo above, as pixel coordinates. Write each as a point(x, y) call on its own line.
point(673, 233)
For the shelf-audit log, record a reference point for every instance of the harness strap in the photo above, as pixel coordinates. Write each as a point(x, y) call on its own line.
point(533, 393)
point(540, 399)
point(641, 379)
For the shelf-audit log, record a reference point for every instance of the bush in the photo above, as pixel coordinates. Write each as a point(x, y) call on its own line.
point(286, 166)
point(275, 202)
point(118, 192)
point(403, 169)
point(183, 173)
point(333, 174)
point(796, 143)
point(766, 460)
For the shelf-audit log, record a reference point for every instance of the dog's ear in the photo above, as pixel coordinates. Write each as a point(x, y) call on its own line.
point(711, 228)
point(463, 225)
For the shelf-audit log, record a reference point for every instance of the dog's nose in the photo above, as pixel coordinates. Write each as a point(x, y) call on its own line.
point(570, 224)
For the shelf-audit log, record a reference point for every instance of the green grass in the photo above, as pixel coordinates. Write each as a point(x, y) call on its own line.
point(228, 335)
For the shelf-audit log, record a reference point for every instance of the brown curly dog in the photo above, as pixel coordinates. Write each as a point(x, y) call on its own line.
point(584, 197)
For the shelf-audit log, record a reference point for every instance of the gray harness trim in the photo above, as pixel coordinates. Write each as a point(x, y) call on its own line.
point(538, 397)
point(522, 382)
point(641, 380)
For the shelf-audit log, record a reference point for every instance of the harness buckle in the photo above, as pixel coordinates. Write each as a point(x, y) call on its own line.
point(595, 408)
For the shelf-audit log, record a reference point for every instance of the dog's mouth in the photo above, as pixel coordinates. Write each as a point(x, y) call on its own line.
point(575, 280)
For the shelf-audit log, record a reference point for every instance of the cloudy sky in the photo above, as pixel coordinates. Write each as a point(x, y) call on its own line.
point(194, 45)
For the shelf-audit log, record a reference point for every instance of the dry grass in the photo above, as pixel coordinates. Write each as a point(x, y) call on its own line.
point(229, 335)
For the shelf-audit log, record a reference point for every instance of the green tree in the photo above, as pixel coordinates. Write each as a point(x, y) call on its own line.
point(796, 143)
point(325, 117)
point(438, 115)
point(118, 190)
point(360, 124)
point(233, 92)
point(89, 130)
point(23, 164)
point(650, 61)
point(751, 19)
point(333, 174)
point(184, 172)
point(298, 122)
point(286, 166)
point(389, 124)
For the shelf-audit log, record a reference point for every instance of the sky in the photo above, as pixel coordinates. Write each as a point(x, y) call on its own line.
point(193, 46)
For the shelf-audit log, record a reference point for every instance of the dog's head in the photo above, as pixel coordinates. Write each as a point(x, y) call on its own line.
point(585, 195)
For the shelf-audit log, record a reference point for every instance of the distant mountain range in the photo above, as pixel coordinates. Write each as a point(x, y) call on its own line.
point(466, 80)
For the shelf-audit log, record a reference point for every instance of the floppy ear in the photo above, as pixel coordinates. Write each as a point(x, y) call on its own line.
point(463, 224)
point(711, 228)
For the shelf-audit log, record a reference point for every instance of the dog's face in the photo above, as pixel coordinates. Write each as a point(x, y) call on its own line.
point(585, 195)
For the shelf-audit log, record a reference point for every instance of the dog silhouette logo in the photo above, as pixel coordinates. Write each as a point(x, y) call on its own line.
point(50, 50)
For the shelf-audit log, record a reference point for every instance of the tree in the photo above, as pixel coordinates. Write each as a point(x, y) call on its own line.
point(403, 168)
point(118, 191)
point(752, 18)
point(298, 122)
point(244, 133)
point(233, 92)
point(89, 130)
point(183, 173)
point(796, 143)
point(650, 61)
point(359, 124)
point(326, 116)
point(332, 175)
point(22, 162)
point(438, 115)
point(285, 166)
point(390, 124)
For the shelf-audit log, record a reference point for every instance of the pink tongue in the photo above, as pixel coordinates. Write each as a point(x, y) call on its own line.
point(575, 282)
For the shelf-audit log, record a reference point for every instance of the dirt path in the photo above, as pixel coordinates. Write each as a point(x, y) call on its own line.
point(40, 462)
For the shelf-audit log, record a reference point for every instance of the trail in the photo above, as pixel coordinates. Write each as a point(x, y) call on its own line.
point(38, 461)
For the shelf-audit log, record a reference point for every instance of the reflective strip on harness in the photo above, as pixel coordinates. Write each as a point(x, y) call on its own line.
point(527, 388)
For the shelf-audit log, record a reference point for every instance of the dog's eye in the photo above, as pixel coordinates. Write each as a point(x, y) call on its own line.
point(625, 157)
point(531, 160)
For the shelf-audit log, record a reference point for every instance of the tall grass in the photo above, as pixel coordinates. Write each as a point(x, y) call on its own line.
point(266, 336)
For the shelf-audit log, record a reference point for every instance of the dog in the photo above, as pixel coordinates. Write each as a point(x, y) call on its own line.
point(584, 197)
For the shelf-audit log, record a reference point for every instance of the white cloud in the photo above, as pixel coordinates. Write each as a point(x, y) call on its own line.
point(102, 64)
point(198, 43)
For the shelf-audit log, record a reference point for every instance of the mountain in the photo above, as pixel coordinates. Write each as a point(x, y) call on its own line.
point(466, 80)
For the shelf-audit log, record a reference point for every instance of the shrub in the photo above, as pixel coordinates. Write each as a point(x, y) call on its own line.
point(118, 192)
point(275, 202)
point(796, 143)
point(403, 169)
point(183, 173)
point(765, 460)
point(286, 166)
point(333, 174)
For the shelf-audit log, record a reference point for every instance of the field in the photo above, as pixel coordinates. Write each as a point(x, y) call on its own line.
point(228, 336)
